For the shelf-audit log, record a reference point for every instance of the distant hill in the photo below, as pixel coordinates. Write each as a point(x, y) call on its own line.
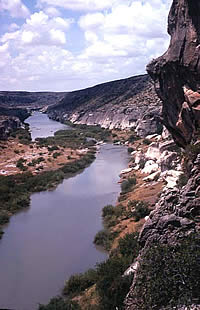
point(118, 104)
point(32, 100)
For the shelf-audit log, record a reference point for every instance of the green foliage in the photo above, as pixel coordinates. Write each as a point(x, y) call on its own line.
point(169, 275)
point(128, 246)
point(23, 135)
point(79, 282)
point(56, 154)
point(58, 303)
point(132, 138)
point(130, 149)
point(192, 151)
point(128, 184)
point(140, 209)
point(147, 141)
point(4, 217)
point(111, 286)
point(104, 238)
point(108, 210)
point(182, 180)
point(15, 190)
point(20, 164)
point(53, 148)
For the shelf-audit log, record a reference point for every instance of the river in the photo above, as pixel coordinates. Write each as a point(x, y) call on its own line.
point(53, 239)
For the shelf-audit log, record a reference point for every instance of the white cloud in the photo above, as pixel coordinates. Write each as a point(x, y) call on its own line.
point(80, 5)
point(53, 12)
point(39, 29)
point(119, 42)
point(137, 29)
point(15, 7)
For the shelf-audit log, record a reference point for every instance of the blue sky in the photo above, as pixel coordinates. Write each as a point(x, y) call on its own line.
point(63, 45)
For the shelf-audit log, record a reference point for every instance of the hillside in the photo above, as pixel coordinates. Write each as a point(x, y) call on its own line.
point(32, 100)
point(130, 102)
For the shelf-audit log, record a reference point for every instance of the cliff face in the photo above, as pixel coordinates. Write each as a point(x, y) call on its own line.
point(121, 104)
point(177, 82)
point(177, 72)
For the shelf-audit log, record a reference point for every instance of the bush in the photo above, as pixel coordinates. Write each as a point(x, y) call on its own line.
point(58, 303)
point(128, 246)
point(147, 141)
point(169, 275)
point(182, 180)
point(4, 218)
point(112, 287)
point(108, 210)
point(140, 209)
point(79, 282)
point(127, 185)
point(130, 149)
point(133, 138)
point(104, 238)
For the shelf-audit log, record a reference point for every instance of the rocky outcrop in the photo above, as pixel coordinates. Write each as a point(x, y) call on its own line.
point(121, 104)
point(177, 72)
point(177, 80)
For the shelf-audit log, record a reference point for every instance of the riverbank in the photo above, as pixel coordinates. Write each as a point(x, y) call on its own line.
point(27, 167)
point(154, 167)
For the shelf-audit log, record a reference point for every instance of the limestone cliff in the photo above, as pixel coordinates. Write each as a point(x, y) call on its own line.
point(177, 82)
point(121, 104)
point(177, 72)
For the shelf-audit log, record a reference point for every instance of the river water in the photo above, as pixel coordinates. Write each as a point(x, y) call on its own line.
point(53, 239)
point(41, 126)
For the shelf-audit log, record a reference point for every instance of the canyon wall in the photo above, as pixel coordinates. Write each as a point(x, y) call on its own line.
point(121, 104)
point(177, 213)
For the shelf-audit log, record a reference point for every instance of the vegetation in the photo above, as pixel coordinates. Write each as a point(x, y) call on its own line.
point(22, 134)
point(169, 276)
point(130, 149)
point(58, 303)
point(104, 238)
point(79, 282)
point(128, 184)
point(147, 141)
point(15, 190)
point(139, 209)
point(182, 180)
point(132, 138)
point(111, 285)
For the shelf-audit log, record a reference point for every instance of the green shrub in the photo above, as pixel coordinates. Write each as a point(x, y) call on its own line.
point(104, 238)
point(147, 141)
point(79, 282)
point(127, 185)
point(56, 154)
point(112, 287)
point(128, 246)
point(4, 217)
point(140, 209)
point(108, 210)
point(58, 303)
point(168, 276)
point(133, 138)
point(182, 180)
point(130, 149)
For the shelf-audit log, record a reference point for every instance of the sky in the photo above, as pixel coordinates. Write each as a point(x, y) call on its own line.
point(64, 45)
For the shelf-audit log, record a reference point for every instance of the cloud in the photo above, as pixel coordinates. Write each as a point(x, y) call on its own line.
point(39, 29)
point(80, 5)
point(137, 29)
point(15, 7)
point(111, 40)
